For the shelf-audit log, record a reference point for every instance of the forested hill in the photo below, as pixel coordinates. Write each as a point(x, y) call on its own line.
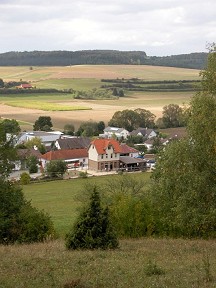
point(66, 58)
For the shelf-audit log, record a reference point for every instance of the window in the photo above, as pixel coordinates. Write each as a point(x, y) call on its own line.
point(106, 155)
point(102, 156)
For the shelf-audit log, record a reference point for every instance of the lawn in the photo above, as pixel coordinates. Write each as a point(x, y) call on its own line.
point(62, 199)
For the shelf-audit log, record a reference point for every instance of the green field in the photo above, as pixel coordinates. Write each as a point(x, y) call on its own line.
point(45, 106)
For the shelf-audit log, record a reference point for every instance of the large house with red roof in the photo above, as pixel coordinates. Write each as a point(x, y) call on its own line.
point(104, 155)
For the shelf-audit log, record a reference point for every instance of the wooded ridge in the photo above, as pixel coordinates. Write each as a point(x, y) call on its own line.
point(114, 57)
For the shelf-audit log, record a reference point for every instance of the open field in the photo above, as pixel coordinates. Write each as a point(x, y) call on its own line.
point(98, 72)
point(85, 77)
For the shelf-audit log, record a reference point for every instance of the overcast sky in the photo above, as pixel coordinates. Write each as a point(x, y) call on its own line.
point(158, 27)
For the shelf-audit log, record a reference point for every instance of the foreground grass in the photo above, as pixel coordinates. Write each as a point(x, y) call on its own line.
point(138, 263)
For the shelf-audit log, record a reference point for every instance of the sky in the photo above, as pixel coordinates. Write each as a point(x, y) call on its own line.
point(157, 27)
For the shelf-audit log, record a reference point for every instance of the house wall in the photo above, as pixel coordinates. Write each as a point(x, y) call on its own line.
point(109, 155)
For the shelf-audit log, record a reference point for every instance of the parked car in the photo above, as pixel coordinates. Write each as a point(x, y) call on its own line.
point(150, 164)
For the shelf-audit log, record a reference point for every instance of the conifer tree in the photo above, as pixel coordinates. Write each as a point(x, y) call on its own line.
point(93, 229)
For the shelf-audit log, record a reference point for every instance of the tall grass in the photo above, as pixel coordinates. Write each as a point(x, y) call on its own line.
point(139, 263)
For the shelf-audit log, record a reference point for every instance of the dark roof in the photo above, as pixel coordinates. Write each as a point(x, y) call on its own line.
point(131, 160)
point(74, 143)
point(144, 131)
point(25, 153)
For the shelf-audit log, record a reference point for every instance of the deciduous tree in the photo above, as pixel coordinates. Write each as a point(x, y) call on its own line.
point(184, 192)
point(43, 123)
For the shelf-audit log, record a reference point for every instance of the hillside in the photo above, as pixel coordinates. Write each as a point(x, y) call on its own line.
point(93, 57)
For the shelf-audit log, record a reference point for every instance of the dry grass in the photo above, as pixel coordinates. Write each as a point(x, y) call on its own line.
point(181, 263)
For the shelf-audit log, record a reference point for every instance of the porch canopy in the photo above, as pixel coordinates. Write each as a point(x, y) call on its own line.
point(132, 164)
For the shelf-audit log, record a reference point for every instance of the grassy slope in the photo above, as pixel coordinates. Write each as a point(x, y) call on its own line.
point(182, 263)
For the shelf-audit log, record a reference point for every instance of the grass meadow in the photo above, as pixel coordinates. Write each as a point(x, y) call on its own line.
point(140, 263)
point(86, 77)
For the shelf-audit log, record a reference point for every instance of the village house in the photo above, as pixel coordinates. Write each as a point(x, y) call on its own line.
point(24, 86)
point(47, 138)
point(118, 133)
point(144, 132)
point(104, 155)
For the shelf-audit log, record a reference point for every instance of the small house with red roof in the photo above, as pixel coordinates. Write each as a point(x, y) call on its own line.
point(104, 155)
point(25, 86)
point(128, 151)
point(74, 158)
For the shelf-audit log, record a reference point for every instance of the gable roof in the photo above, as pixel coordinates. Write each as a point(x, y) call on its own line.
point(74, 143)
point(144, 131)
point(102, 144)
point(65, 154)
point(125, 149)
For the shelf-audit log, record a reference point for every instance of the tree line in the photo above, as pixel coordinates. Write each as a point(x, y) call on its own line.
point(96, 57)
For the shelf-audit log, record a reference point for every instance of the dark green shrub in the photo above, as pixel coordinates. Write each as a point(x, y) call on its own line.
point(19, 221)
point(93, 228)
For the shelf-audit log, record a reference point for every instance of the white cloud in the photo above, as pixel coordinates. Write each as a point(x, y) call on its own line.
point(160, 27)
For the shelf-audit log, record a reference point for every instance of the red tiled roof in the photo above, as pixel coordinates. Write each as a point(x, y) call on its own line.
point(127, 149)
point(65, 154)
point(102, 144)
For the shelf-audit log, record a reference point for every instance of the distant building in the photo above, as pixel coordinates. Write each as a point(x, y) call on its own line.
point(111, 132)
point(145, 132)
point(24, 86)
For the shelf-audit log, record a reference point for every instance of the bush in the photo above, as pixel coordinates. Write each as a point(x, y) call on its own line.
point(93, 228)
point(56, 168)
point(25, 178)
point(19, 221)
